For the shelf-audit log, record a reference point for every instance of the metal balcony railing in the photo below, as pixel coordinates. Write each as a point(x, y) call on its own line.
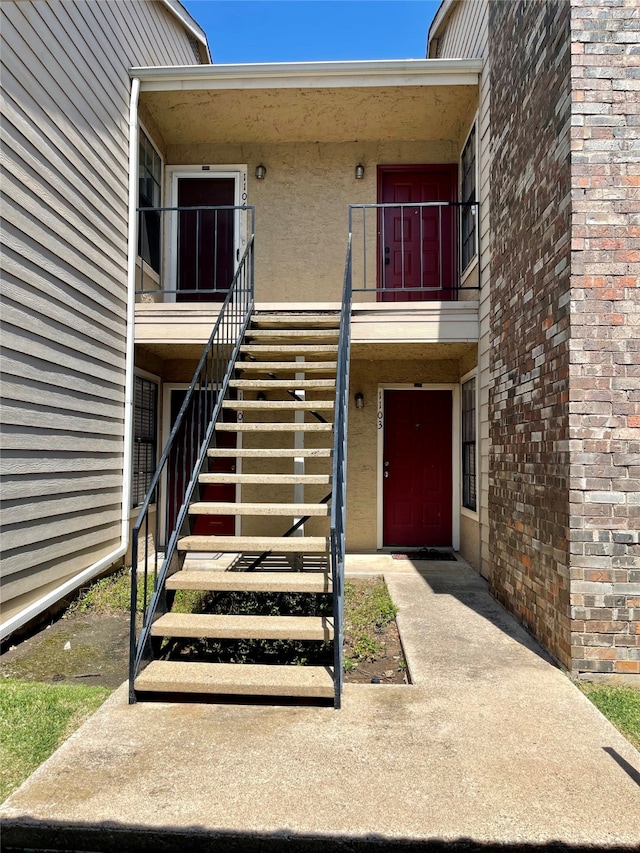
point(190, 254)
point(413, 252)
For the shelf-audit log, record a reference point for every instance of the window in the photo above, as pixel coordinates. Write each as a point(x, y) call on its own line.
point(145, 435)
point(149, 195)
point(469, 497)
point(468, 197)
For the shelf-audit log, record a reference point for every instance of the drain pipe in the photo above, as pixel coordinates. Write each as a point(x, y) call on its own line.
point(37, 607)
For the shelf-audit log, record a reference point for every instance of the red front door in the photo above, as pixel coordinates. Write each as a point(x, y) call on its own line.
point(204, 525)
point(417, 475)
point(417, 246)
point(205, 239)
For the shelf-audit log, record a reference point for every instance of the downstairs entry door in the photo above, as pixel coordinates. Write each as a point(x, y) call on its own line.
point(417, 468)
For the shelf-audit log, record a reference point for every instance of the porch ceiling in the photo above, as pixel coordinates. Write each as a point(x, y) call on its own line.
point(415, 102)
point(312, 115)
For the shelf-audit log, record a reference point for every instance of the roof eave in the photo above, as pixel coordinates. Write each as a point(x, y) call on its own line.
point(388, 72)
point(190, 24)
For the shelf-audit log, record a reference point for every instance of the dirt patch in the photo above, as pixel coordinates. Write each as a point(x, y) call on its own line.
point(91, 649)
point(389, 667)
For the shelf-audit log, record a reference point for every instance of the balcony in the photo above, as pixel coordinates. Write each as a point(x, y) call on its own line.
point(414, 280)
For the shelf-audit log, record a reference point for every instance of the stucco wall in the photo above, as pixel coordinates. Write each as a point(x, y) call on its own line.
point(302, 205)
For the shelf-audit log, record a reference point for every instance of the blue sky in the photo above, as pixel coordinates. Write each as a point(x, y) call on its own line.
point(307, 30)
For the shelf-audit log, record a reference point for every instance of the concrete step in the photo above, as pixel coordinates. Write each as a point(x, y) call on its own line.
point(243, 426)
point(292, 350)
point(286, 366)
point(254, 544)
point(285, 384)
point(320, 334)
point(286, 509)
point(261, 581)
point(282, 405)
point(295, 319)
point(272, 479)
point(318, 628)
point(236, 679)
point(260, 453)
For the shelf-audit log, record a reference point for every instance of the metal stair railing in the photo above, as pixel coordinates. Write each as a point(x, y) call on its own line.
point(176, 477)
point(339, 478)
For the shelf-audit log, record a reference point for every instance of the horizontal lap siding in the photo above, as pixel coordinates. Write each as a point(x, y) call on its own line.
point(466, 36)
point(64, 165)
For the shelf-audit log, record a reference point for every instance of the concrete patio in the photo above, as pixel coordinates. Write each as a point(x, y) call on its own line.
point(491, 745)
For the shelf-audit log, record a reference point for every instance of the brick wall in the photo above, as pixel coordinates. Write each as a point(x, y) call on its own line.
point(530, 203)
point(605, 336)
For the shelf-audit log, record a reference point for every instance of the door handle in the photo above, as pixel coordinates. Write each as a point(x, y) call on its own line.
point(386, 474)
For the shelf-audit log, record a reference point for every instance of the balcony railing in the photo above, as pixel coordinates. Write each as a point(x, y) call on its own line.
point(190, 254)
point(414, 252)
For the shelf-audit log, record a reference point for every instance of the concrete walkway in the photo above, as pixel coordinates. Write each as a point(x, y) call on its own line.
point(490, 745)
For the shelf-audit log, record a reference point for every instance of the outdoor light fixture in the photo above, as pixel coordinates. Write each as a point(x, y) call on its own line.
point(261, 171)
point(359, 400)
point(359, 172)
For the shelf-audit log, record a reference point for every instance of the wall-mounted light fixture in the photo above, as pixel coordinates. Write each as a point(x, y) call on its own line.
point(261, 171)
point(359, 172)
point(359, 398)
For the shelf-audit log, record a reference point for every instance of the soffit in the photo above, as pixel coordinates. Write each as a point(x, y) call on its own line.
point(328, 114)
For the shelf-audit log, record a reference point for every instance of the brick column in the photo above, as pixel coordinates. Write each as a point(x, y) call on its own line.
point(530, 201)
point(604, 403)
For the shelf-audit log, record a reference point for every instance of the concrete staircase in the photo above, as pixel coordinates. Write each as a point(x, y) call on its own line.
point(281, 467)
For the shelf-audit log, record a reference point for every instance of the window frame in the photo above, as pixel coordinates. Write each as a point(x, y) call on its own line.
point(468, 217)
point(469, 442)
point(150, 221)
point(154, 441)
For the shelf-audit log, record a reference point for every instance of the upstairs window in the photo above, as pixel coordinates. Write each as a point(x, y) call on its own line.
point(469, 491)
point(145, 437)
point(468, 195)
point(149, 195)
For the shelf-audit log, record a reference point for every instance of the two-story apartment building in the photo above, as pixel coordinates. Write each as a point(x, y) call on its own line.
point(476, 352)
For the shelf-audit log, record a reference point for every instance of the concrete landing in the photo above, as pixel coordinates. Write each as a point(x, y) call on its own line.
point(492, 745)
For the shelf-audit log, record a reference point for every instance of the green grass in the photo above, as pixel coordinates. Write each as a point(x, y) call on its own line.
point(110, 594)
point(35, 719)
point(621, 705)
point(368, 608)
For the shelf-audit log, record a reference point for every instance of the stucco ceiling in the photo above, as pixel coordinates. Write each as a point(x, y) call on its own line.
point(312, 115)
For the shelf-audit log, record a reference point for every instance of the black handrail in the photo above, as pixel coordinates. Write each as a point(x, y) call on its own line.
point(339, 478)
point(176, 476)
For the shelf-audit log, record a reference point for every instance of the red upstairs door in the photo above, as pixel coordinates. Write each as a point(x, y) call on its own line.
point(417, 468)
point(417, 246)
point(205, 239)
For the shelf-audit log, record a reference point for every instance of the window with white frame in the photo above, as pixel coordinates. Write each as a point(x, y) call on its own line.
point(468, 198)
point(145, 437)
point(469, 486)
point(149, 196)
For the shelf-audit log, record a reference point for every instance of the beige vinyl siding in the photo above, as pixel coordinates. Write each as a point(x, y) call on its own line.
point(64, 163)
point(465, 36)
